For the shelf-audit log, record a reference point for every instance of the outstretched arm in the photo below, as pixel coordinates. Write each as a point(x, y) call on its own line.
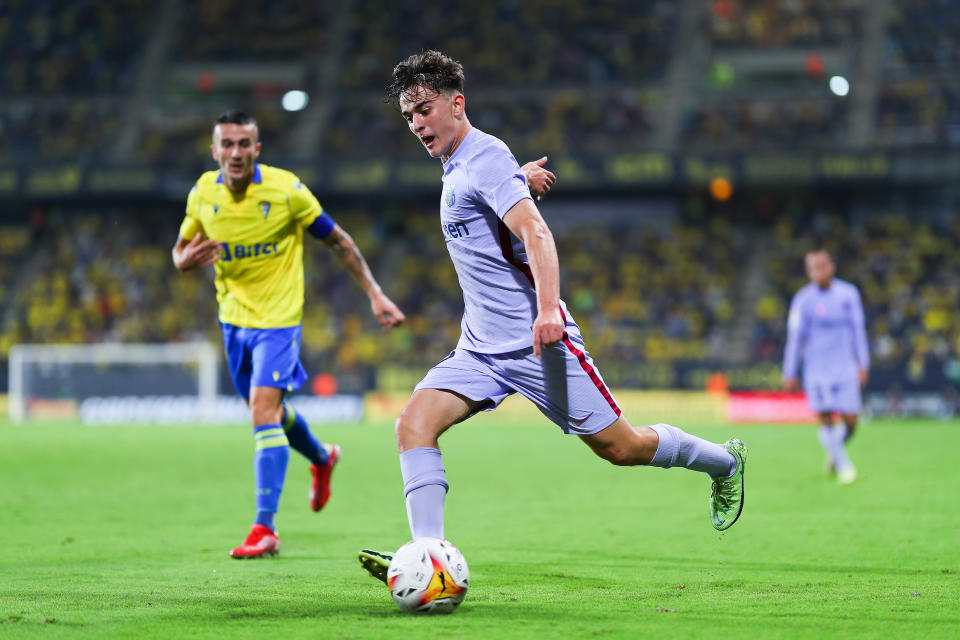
point(346, 249)
point(526, 223)
point(195, 253)
point(539, 180)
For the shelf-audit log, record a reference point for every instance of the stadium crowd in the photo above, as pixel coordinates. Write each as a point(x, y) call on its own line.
point(765, 124)
point(766, 24)
point(657, 293)
point(919, 98)
point(555, 43)
point(82, 47)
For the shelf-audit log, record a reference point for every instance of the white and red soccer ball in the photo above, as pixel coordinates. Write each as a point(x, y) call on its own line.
point(428, 575)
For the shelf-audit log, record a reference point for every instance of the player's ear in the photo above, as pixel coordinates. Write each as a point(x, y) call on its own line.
point(459, 104)
point(256, 150)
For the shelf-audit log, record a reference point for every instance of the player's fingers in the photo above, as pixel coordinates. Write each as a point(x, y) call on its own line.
point(551, 178)
point(542, 161)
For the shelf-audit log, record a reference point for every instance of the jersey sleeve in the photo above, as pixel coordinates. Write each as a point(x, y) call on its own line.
point(191, 220)
point(304, 206)
point(791, 353)
point(497, 179)
point(859, 330)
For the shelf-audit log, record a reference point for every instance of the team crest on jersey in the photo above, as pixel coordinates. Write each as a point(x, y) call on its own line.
point(449, 197)
point(265, 207)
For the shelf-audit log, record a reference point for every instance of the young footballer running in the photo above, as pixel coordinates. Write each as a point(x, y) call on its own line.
point(517, 334)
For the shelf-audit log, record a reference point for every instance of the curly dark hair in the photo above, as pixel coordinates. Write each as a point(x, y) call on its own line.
point(429, 69)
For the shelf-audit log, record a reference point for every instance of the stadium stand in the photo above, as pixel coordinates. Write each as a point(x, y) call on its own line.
point(655, 100)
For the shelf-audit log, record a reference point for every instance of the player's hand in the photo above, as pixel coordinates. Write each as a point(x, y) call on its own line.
point(547, 329)
point(387, 313)
point(864, 376)
point(791, 385)
point(198, 252)
point(538, 179)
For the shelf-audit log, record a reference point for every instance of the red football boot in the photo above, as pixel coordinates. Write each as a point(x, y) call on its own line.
point(261, 542)
point(320, 490)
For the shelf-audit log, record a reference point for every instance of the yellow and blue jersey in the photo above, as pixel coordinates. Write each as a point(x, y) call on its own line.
point(260, 273)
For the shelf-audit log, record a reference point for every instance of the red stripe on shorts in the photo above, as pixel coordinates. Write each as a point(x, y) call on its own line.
point(506, 247)
point(586, 366)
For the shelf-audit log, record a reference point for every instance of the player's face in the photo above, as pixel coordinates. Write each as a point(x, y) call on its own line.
point(434, 118)
point(820, 268)
point(235, 147)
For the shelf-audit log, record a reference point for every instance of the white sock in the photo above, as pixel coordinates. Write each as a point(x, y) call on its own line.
point(677, 448)
point(840, 460)
point(825, 435)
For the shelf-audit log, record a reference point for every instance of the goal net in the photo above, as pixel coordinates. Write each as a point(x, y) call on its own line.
point(112, 379)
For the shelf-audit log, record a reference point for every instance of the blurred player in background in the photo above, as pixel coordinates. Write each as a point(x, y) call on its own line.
point(826, 328)
point(248, 219)
point(517, 335)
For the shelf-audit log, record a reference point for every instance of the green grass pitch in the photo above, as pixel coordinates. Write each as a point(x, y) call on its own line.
point(123, 532)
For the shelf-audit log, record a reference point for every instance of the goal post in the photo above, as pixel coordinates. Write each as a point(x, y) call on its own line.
point(54, 375)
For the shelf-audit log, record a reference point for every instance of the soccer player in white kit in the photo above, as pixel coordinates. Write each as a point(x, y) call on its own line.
point(826, 322)
point(517, 334)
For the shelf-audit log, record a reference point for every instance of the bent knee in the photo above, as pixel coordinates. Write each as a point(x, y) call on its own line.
point(411, 432)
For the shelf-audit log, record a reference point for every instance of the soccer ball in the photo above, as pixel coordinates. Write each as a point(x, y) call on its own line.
point(428, 575)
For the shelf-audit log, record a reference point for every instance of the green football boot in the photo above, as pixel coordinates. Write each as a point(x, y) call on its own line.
point(376, 563)
point(726, 494)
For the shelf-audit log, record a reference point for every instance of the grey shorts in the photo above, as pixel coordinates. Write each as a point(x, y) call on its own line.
point(564, 385)
point(840, 395)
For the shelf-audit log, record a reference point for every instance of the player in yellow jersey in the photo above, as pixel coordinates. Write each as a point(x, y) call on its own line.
point(248, 220)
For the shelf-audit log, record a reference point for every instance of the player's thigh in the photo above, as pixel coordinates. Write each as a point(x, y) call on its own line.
point(623, 444)
point(429, 413)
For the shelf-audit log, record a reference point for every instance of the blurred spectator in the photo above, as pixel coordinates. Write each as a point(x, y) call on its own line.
point(69, 131)
point(757, 124)
point(255, 29)
point(83, 46)
point(515, 44)
point(782, 23)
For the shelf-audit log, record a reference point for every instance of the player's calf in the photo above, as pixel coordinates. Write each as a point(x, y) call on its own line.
point(623, 445)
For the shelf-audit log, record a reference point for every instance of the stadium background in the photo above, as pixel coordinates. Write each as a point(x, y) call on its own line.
point(836, 123)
